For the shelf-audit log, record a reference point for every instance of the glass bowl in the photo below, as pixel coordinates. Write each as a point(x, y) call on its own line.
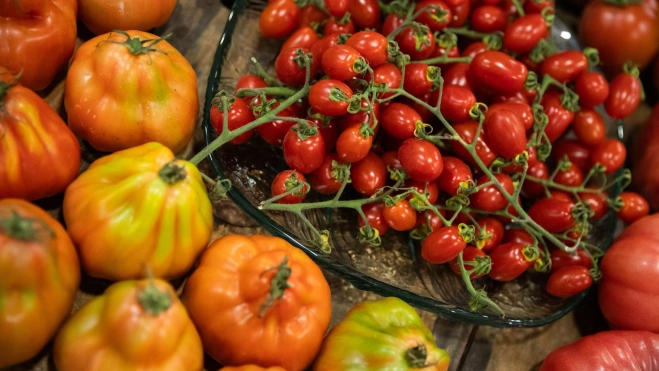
point(394, 268)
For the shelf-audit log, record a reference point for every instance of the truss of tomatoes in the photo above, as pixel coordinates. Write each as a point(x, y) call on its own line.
point(444, 129)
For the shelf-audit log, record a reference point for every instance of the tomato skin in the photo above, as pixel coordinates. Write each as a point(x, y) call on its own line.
point(365, 13)
point(635, 207)
point(38, 272)
point(559, 116)
point(416, 79)
point(375, 217)
point(248, 81)
point(287, 69)
point(589, 127)
point(321, 180)
point(368, 174)
point(592, 89)
point(319, 97)
point(560, 259)
point(407, 43)
point(596, 201)
point(311, 14)
point(96, 331)
point(427, 16)
point(391, 22)
point(239, 115)
point(337, 8)
point(492, 226)
point(275, 131)
point(303, 37)
point(361, 117)
point(370, 45)
point(102, 17)
point(319, 48)
point(607, 350)
point(233, 278)
point(565, 66)
point(508, 262)
point(390, 159)
point(27, 37)
point(498, 71)
point(303, 156)
point(420, 159)
point(457, 75)
point(39, 155)
point(577, 152)
point(389, 74)
point(644, 158)
point(474, 49)
point(429, 189)
point(611, 153)
point(524, 33)
point(624, 96)
point(572, 177)
point(400, 216)
point(456, 102)
point(279, 187)
point(339, 61)
point(352, 146)
point(117, 126)
point(518, 235)
point(467, 131)
point(455, 172)
point(523, 111)
point(399, 120)
point(333, 26)
point(539, 6)
point(552, 214)
point(490, 198)
point(569, 281)
point(468, 254)
point(505, 133)
point(279, 18)
point(443, 245)
point(489, 18)
point(531, 188)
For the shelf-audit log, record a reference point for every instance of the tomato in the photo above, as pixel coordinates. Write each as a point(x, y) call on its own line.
point(634, 207)
point(518, 235)
point(508, 262)
point(236, 277)
point(457, 75)
point(559, 116)
point(592, 88)
point(569, 281)
point(455, 172)
point(416, 49)
point(443, 245)
point(336, 8)
point(39, 155)
point(147, 312)
point(474, 49)
point(40, 275)
point(532, 159)
point(523, 111)
point(328, 131)
point(524, 33)
point(319, 48)
point(365, 13)
point(304, 148)
point(565, 66)
point(440, 51)
point(505, 133)
point(275, 131)
point(537, 6)
point(251, 368)
point(400, 216)
point(287, 69)
point(369, 174)
point(490, 198)
point(310, 14)
point(31, 30)
point(420, 159)
point(456, 102)
point(288, 179)
point(491, 233)
point(339, 62)
point(109, 213)
point(370, 45)
point(644, 157)
point(467, 131)
point(416, 79)
point(352, 146)
point(279, 18)
point(561, 195)
point(334, 26)
point(362, 116)
point(571, 177)
point(429, 189)
point(607, 350)
point(624, 96)
point(322, 180)
point(388, 74)
point(577, 152)
point(560, 259)
point(596, 202)
point(611, 153)
point(390, 159)
point(148, 97)
point(621, 33)
point(469, 254)
point(399, 120)
point(248, 81)
point(101, 16)
point(303, 37)
point(489, 18)
point(238, 115)
point(552, 214)
point(375, 217)
point(531, 188)
point(381, 335)
point(589, 127)
point(391, 22)
point(429, 16)
point(498, 71)
point(320, 97)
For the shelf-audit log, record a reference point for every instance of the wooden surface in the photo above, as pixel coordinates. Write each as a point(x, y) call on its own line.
point(197, 27)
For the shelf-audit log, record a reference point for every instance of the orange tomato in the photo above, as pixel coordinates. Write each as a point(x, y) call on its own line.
point(102, 16)
point(134, 325)
point(123, 91)
point(37, 37)
point(39, 155)
point(251, 368)
point(39, 278)
point(259, 300)
point(137, 208)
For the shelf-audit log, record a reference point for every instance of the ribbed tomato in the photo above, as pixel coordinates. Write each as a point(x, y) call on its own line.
point(102, 16)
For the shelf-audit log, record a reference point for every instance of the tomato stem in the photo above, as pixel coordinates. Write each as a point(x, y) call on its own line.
point(137, 46)
point(171, 173)
point(278, 285)
point(417, 357)
point(19, 227)
point(153, 300)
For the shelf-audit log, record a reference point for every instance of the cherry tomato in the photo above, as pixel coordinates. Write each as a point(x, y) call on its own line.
point(572, 177)
point(365, 13)
point(467, 131)
point(524, 33)
point(279, 18)
point(319, 48)
point(569, 281)
point(576, 152)
point(505, 133)
point(239, 115)
point(328, 131)
point(274, 131)
point(390, 159)
point(339, 62)
point(592, 89)
point(279, 187)
point(457, 75)
point(416, 79)
point(498, 71)
point(537, 6)
point(518, 235)
point(559, 116)
point(634, 207)
point(334, 26)
point(589, 127)
point(303, 155)
point(429, 17)
point(469, 254)
point(369, 174)
point(360, 117)
point(460, 10)
point(561, 195)
point(489, 18)
point(392, 22)
point(474, 49)
point(492, 233)
point(400, 216)
point(399, 120)
point(416, 49)
point(511, 168)
point(455, 172)
point(250, 81)
point(320, 101)
point(456, 102)
point(565, 66)
point(523, 111)
point(375, 217)
point(596, 202)
point(371, 45)
point(490, 198)
point(431, 219)
point(288, 71)
point(304, 38)
point(624, 96)
point(560, 259)
point(442, 245)
point(322, 180)
point(611, 153)
point(420, 159)
point(310, 14)
point(508, 262)
point(440, 51)
point(552, 214)
point(337, 8)
point(388, 74)
point(427, 188)
point(532, 188)
point(352, 146)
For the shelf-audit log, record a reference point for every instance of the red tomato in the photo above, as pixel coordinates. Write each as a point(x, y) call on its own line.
point(560, 259)
point(596, 202)
point(416, 79)
point(634, 207)
point(392, 22)
point(365, 13)
point(320, 101)
point(274, 131)
point(369, 174)
point(467, 131)
point(250, 81)
point(537, 7)
point(572, 177)
point(303, 38)
point(592, 89)
point(443, 245)
point(644, 155)
point(456, 102)
point(518, 235)
point(328, 131)
point(334, 26)
point(279, 18)
point(508, 262)
point(589, 127)
point(469, 254)
point(322, 180)
point(388, 74)
point(362, 116)
point(531, 188)
point(569, 281)
point(374, 214)
point(337, 8)
point(460, 10)
point(279, 187)
point(489, 18)
point(559, 116)
point(492, 227)
point(576, 152)
point(239, 115)
point(310, 14)
point(339, 62)
point(474, 49)
point(440, 51)
point(552, 214)
point(319, 48)
point(287, 69)
point(505, 133)
point(429, 189)
point(490, 198)
point(457, 75)
point(399, 120)
point(390, 159)
point(498, 71)
point(523, 111)
point(352, 146)
point(371, 45)
point(611, 153)
point(303, 152)
point(512, 168)
point(524, 33)
point(400, 216)
point(455, 172)
point(565, 66)
point(411, 45)
point(429, 17)
point(624, 96)
point(420, 159)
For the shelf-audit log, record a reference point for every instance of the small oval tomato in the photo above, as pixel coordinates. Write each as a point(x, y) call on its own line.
point(279, 18)
point(624, 96)
point(365, 13)
point(400, 216)
point(491, 233)
point(275, 131)
point(569, 281)
point(364, 115)
point(399, 120)
point(334, 26)
point(368, 174)
point(286, 180)
point(457, 75)
point(505, 133)
point(328, 131)
point(440, 51)
point(430, 17)
point(565, 66)
point(523, 111)
point(443, 245)
point(559, 116)
point(303, 37)
point(375, 217)
point(469, 254)
point(339, 62)
point(101, 16)
point(571, 177)
point(488, 18)
point(589, 127)
point(418, 48)
point(370, 45)
point(389, 75)
point(320, 101)
point(538, 6)
point(248, 81)
point(575, 151)
point(611, 153)
point(560, 259)
point(148, 312)
point(336, 8)
point(634, 207)
point(420, 159)
point(592, 89)
point(287, 69)
point(319, 48)
point(490, 198)
point(467, 131)
point(552, 214)
point(390, 159)
point(304, 148)
point(518, 235)
point(352, 145)
point(322, 180)
point(531, 188)
point(429, 189)
point(391, 22)
point(596, 202)
point(524, 33)
point(238, 115)
point(310, 14)
point(456, 102)
point(455, 172)
point(416, 79)
point(498, 71)
point(474, 49)
point(508, 262)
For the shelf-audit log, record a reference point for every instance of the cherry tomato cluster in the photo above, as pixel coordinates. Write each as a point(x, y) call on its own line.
point(444, 130)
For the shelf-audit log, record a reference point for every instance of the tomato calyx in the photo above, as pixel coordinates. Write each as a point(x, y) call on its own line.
point(171, 173)
point(467, 232)
point(278, 285)
point(593, 57)
point(137, 46)
point(370, 235)
point(531, 252)
point(153, 300)
point(21, 228)
point(305, 130)
point(417, 357)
